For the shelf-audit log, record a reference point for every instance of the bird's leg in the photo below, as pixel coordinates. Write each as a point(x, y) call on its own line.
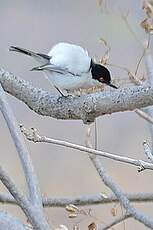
point(62, 95)
point(59, 91)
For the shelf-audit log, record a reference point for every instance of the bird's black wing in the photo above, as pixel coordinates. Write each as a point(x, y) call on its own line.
point(52, 68)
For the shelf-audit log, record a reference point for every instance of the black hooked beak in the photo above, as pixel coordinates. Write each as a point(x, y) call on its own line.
point(108, 83)
point(113, 86)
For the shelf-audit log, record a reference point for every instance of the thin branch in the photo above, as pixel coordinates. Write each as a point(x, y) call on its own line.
point(33, 188)
point(121, 196)
point(149, 69)
point(9, 222)
point(147, 151)
point(83, 199)
point(115, 188)
point(32, 135)
point(34, 193)
point(32, 213)
point(137, 81)
point(144, 115)
point(87, 107)
point(114, 222)
point(139, 62)
point(141, 217)
point(149, 65)
point(96, 134)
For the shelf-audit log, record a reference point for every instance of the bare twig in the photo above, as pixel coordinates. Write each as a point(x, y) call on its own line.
point(141, 217)
point(95, 161)
point(147, 151)
point(117, 190)
point(132, 76)
point(9, 222)
point(144, 115)
point(133, 212)
point(139, 62)
point(83, 199)
point(96, 134)
point(32, 213)
point(32, 135)
point(86, 107)
point(149, 65)
point(149, 69)
point(114, 222)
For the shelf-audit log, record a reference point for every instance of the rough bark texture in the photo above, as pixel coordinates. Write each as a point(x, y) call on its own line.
point(86, 107)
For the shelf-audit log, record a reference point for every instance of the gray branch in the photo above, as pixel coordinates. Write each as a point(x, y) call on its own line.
point(115, 188)
point(9, 222)
point(34, 193)
point(32, 135)
point(114, 222)
point(83, 199)
point(35, 205)
point(149, 69)
point(32, 212)
point(144, 115)
point(147, 151)
point(87, 107)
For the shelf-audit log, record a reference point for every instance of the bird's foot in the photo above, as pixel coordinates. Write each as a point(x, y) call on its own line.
point(63, 97)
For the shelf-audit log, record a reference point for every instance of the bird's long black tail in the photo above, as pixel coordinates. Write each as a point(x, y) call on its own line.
point(21, 50)
point(43, 58)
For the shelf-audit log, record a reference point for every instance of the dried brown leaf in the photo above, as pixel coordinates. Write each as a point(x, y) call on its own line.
point(114, 211)
point(105, 58)
point(147, 25)
point(72, 215)
point(134, 78)
point(92, 226)
point(72, 208)
point(148, 7)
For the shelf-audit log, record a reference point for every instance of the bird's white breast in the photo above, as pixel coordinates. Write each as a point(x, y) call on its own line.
point(71, 83)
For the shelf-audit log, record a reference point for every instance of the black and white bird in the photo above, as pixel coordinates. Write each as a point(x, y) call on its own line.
point(69, 67)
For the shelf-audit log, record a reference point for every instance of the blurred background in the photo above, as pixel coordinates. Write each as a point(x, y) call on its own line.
point(38, 25)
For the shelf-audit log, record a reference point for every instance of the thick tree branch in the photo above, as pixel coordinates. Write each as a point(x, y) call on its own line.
point(86, 107)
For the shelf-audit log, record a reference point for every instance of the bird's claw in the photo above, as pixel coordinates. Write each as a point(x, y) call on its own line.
point(63, 97)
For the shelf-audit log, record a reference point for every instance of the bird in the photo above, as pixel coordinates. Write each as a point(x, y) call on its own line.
point(69, 67)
